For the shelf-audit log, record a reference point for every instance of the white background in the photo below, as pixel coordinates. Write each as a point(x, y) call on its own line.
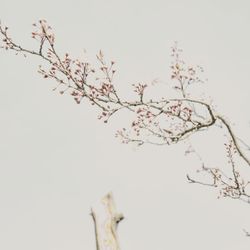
point(56, 158)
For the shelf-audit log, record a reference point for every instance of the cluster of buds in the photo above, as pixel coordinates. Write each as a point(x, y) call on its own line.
point(230, 151)
point(106, 89)
point(186, 113)
point(236, 189)
point(93, 92)
point(174, 109)
point(184, 74)
point(139, 89)
point(7, 41)
point(107, 70)
point(179, 110)
point(123, 135)
point(105, 116)
point(78, 96)
point(43, 32)
point(144, 118)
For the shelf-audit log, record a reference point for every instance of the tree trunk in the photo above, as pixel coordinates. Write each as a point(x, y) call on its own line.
point(106, 220)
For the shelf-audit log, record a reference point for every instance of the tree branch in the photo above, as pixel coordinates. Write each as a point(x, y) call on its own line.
point(159, 122)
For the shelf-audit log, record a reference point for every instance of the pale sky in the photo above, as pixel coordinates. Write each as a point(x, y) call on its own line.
point(57, 159)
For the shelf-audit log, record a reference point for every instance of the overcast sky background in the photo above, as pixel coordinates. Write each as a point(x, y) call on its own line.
point(56, 158)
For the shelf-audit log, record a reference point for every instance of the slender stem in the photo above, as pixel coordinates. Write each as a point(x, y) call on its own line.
point(233, 137)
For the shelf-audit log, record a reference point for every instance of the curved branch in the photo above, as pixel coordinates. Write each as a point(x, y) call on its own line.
point(158, 122)
point(233, 137)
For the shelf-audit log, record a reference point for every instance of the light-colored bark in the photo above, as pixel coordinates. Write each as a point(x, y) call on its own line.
point(106, 220)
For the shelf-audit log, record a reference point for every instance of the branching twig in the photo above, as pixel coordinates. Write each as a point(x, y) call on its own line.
point(158, 122)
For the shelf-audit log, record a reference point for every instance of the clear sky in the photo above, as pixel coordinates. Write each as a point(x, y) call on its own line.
point(57, 159)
